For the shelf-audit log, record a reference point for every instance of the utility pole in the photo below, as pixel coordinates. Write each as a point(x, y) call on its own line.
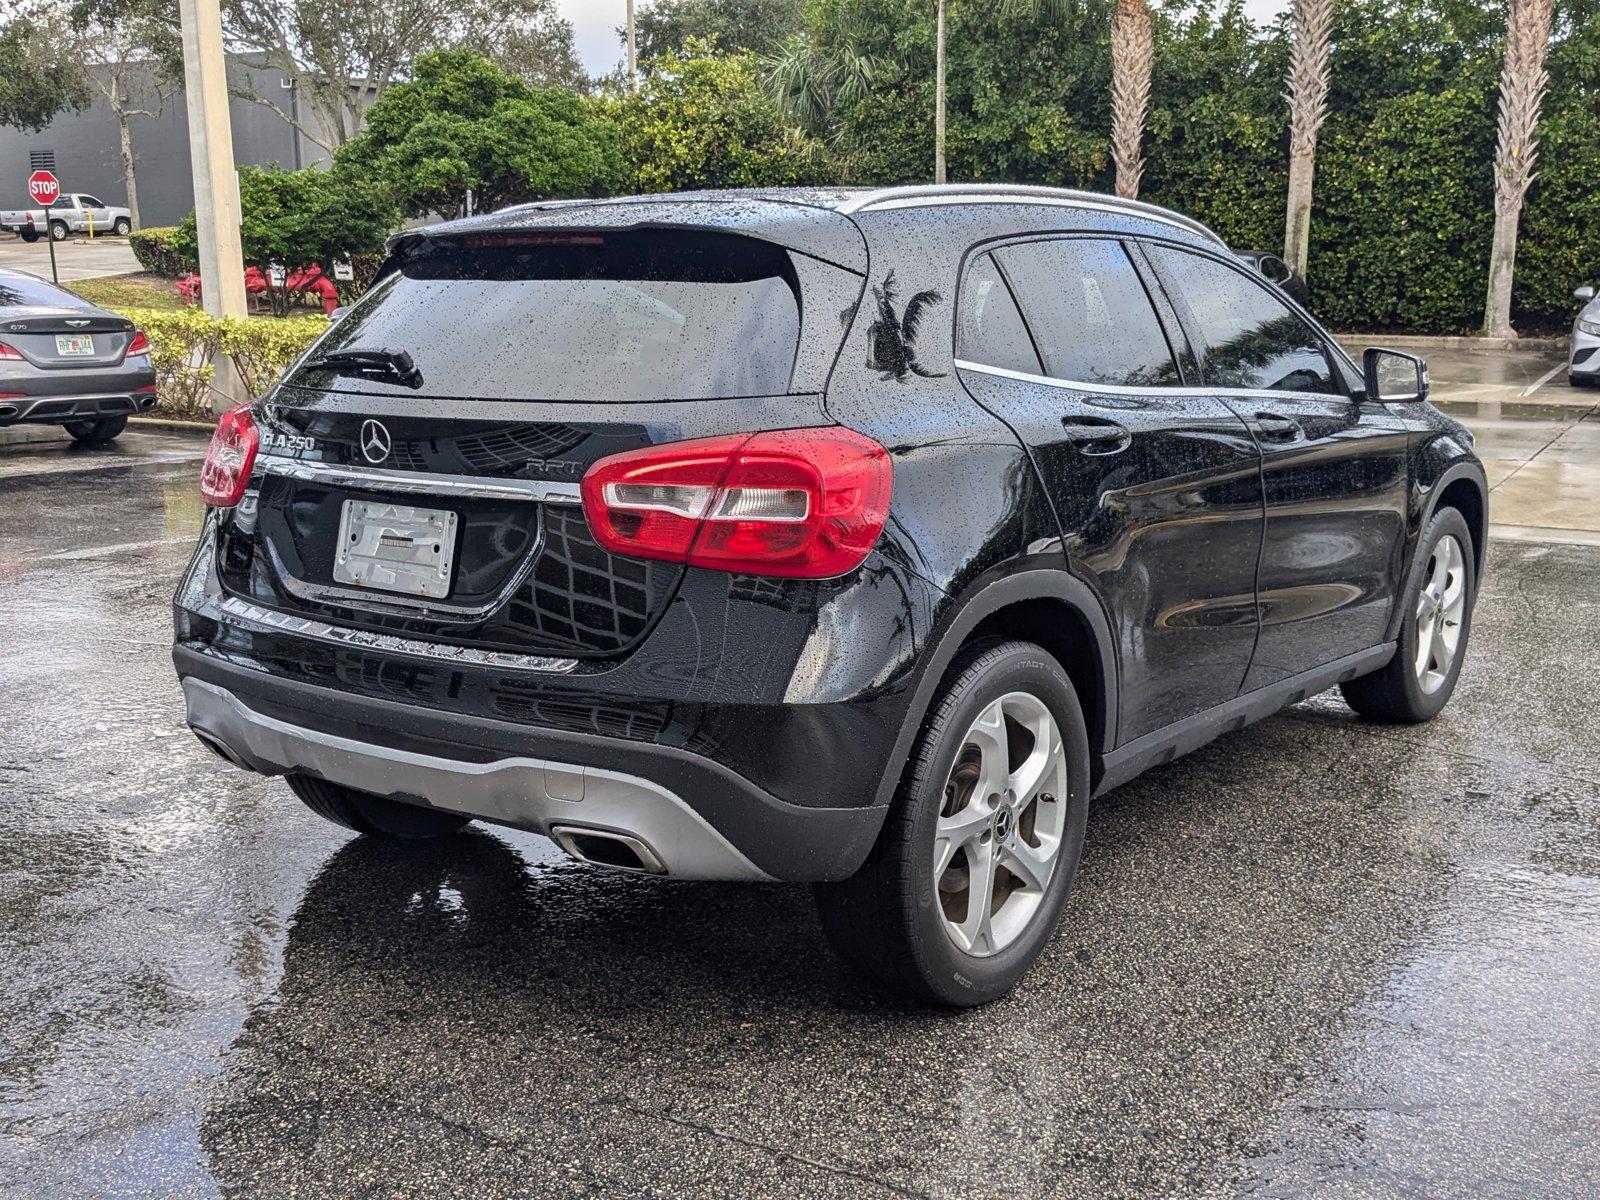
point(216, 182)
point(633, 57)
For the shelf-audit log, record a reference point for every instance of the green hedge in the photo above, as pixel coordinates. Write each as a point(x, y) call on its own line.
point(157, 252)
point(184, 345)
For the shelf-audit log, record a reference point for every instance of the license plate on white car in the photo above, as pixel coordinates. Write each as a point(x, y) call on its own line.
point(74, 345)
point(396, 548)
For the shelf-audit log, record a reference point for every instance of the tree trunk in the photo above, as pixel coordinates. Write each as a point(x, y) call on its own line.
point(1132, 50)
point(938, 98)
point(1297, 226)
point(1502, 268)
point(129, 182)
point(1307, 93)
point(1522, 83)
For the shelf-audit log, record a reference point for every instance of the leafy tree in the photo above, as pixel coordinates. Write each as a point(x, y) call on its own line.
point(466, 124)
point(760, 26)
point(293, 219)
point(346, 53)
point(37, 81)
point(703, 119)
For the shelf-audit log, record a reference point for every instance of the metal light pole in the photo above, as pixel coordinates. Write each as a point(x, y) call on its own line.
point(216, 183)
point(633, 57)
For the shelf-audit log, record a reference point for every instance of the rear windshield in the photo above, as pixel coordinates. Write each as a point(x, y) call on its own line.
point(634, 316)
point(18, 291)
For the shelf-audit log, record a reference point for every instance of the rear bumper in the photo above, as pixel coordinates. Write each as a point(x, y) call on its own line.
point(55, 410)
point(698, 819)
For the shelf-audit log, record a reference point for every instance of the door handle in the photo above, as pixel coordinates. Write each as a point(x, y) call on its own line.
point(1270, 427)
point(1096, 435)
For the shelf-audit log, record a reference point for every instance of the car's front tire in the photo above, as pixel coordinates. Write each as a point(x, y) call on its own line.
point(966, 883)
point(96, 433)
point(373, 815)
point(1419, 680)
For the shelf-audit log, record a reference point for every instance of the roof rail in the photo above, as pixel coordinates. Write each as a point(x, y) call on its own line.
point(928, 194)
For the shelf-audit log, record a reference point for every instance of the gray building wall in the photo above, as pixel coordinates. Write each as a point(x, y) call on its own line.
point(88, 157)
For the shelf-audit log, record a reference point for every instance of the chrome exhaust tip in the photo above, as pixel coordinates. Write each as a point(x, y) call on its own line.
point(8, 410)
point(607, 848)
point(222, 750)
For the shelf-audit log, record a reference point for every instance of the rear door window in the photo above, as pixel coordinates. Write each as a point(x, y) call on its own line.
point(991, 331)
point(1089, 314)
point(1251, 340)
point(612, 316)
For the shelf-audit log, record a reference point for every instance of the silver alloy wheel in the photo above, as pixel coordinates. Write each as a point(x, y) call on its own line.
point(1441, 607)
point(1000, 824)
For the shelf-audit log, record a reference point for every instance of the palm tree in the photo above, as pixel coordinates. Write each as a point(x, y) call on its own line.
point(1522, 83)
point(1132, 50)
point(1307, 94)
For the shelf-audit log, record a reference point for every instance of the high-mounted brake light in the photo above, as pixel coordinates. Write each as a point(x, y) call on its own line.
point(797, 503)
point(139, 345)
point(226, 473)
point(9, 353)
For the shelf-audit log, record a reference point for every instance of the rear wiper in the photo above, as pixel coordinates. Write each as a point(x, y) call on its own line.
point(385, 366)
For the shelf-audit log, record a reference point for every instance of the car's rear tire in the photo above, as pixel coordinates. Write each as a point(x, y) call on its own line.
point(1419, 680)
point(122, 227)
point(97, 433)
point(376, 816)
point(910, 925)
point(58, 231)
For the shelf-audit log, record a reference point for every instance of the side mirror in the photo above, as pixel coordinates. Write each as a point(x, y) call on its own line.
point(1393, 377)
point(1585, 294)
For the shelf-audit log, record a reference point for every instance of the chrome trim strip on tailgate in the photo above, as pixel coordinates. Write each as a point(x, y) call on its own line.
point(244, 612)
point(419, 482)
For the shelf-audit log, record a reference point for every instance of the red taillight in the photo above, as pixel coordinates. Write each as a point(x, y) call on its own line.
point(9, 353)
point(800, 503)
point(233, 452)
point(139, 345)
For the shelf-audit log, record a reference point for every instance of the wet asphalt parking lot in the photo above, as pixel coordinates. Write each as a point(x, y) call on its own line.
point(1320, 958)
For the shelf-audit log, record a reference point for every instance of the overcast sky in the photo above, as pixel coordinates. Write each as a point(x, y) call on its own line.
point(595, 22)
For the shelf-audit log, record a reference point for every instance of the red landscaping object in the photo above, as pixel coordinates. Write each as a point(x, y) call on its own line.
point(303, 283)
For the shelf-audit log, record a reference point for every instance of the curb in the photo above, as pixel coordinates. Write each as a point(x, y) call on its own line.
point(199, 428)
point(1412, 341)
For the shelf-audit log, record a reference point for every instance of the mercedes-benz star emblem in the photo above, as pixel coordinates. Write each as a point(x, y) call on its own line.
point(375, 442)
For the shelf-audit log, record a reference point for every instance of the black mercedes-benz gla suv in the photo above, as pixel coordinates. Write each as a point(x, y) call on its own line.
point(849, 537)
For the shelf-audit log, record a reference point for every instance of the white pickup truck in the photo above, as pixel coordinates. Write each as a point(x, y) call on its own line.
point(72, 212)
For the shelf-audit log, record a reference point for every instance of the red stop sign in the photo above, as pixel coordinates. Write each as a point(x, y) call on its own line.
point(44, 187)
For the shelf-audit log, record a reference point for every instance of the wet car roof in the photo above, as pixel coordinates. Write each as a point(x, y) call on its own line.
point(820, 222)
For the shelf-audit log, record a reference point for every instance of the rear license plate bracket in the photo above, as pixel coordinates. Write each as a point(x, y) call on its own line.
point(398, 548)
point(75, 345)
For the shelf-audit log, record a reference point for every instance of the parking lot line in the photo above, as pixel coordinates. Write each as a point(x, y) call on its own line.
point(1544, 379)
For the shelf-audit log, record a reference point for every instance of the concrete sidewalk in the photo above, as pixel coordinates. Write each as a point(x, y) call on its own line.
point(1538, 436)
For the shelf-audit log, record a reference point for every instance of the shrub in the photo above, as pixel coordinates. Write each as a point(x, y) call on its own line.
point(184, 346)
point(296, 218)
point(160, 252)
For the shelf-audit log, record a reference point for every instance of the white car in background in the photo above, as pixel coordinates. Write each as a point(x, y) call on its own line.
point(1583, 359)
point(72, 212)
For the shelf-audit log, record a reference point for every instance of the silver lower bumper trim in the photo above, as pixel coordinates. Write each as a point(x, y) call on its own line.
point(528, 793)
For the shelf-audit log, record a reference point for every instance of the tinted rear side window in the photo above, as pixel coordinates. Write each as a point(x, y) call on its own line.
point(623, 317)
point(1251, 339)
point(991, 329)
point(1088, 312)
point(18, 291)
